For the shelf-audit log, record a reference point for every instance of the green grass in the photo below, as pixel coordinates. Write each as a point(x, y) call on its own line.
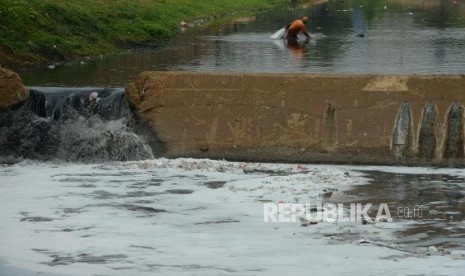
point(33, 32)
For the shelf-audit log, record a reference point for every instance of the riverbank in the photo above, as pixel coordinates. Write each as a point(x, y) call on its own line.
point(34, 33)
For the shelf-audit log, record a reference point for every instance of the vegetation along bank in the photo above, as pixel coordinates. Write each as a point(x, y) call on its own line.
point(37, 32)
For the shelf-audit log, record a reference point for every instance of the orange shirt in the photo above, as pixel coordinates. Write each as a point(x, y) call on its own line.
point(295, 27)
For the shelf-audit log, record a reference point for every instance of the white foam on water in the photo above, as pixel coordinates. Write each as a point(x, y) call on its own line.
point(159, 217)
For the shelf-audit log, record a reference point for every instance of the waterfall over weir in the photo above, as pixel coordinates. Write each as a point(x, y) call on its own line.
point(72, 124)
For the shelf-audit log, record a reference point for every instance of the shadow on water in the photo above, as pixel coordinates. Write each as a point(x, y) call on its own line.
point(432, 204)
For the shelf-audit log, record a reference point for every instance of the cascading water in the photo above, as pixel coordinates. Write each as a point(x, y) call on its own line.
point(72, 124)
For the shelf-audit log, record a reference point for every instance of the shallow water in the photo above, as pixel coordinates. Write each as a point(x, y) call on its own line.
point(400, 37)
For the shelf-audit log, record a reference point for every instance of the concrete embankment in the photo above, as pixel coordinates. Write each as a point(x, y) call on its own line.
point(379, 119)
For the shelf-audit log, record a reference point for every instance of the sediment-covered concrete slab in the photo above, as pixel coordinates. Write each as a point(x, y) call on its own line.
point(305, 117)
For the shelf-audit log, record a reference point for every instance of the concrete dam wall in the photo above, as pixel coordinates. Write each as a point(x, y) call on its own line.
point(378, 119)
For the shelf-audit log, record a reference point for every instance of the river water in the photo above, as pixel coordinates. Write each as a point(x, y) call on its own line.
point(399, 37)
point(202, 217)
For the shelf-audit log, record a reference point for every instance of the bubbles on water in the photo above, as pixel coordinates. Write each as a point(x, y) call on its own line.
point(72, 124)
point(96, 140)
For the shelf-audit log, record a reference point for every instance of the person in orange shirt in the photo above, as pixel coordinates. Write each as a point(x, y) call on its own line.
point(294, 28)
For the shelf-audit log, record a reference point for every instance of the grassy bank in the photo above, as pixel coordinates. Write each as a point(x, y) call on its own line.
point(35, 32)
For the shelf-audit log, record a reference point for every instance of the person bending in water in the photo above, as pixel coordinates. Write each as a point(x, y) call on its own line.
point(294, 28)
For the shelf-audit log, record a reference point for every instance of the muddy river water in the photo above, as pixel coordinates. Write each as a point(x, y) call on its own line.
point(185, 217)
point(432, 204)
point(357, 36)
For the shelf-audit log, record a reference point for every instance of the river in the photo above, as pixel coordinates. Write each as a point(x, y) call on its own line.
point(182, 216)
point(399, 37)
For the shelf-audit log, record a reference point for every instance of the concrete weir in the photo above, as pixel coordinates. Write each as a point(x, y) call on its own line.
point(377, 119)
